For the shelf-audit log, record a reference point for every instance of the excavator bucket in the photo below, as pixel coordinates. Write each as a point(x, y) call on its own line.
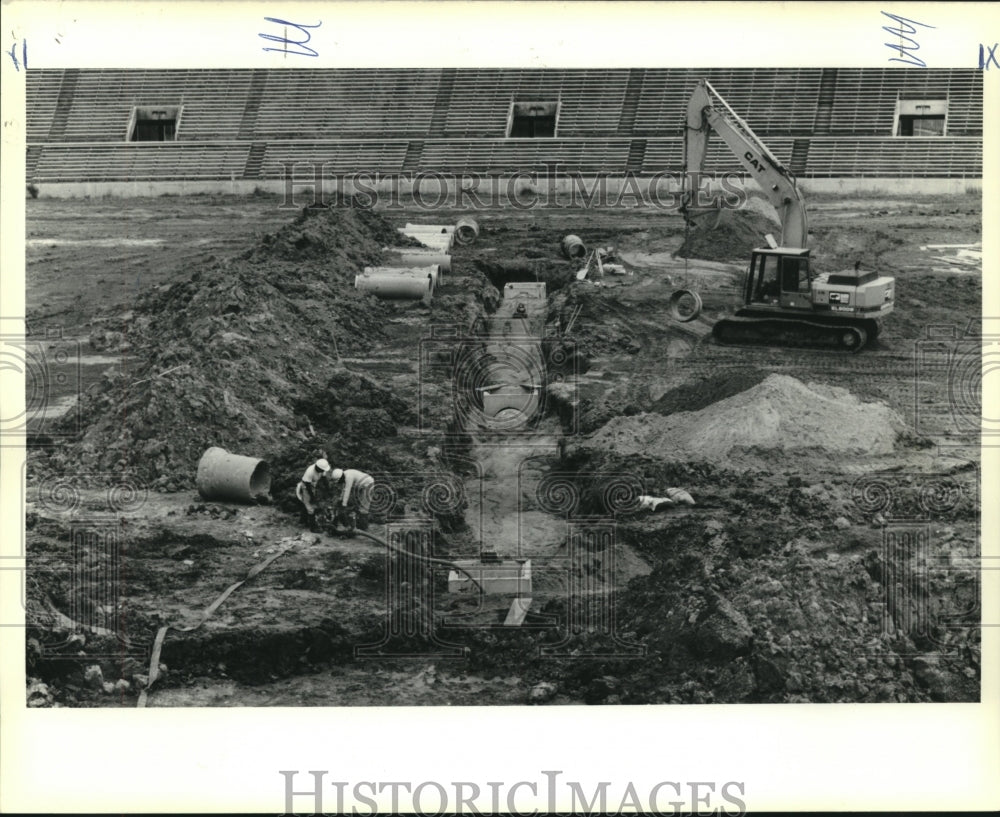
point(708, 218)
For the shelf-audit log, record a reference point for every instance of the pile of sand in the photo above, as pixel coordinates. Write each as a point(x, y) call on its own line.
point(780, 413)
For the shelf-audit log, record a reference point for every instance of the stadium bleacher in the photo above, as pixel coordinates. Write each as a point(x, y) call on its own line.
point(211, 102)
point(772, 101)
point(590, 100)
point(865, 100)
point(95, 162)
point(366, 103)
point(250, 124)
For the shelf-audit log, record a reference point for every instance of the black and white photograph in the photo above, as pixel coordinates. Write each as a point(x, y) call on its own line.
point(643, 387)
point(503, 386)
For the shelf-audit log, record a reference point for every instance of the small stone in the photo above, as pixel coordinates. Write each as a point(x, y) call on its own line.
point(121, 685)
point(141, 681)
point(38, 693)
point(108, 687)
point(93, 677)
point(542, 692)
point(841, 523)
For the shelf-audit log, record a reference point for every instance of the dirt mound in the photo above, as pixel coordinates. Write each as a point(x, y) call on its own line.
point(779, 413)
point(697, 395)
point(737, 233)
point(346, 233)
point(228, 356)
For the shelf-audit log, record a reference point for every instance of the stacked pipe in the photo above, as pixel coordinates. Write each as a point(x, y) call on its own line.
point(415, 272)
point(411, 283)
point(436, 236)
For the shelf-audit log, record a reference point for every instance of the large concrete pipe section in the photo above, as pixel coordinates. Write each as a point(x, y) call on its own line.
point(416, 257)
point(428, 228)
point(466, 230)
point(573, 247)
point(434, 236)
point(432, 270)
point(685, 305)
point(222, 475)
point(402, 284)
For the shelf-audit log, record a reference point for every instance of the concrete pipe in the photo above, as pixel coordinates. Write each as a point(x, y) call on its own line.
point(685, 305)
point(432, 270)
point(429, 228)
point(431, 238)
point(222, 475)
point(399, 285)
point(466, 231)
point(573, 247)
point(415, 257)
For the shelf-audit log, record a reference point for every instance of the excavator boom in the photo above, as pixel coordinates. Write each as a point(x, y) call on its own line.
point(707, 110)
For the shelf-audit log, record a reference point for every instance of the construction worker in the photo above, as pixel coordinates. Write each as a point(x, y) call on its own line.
point(361, 481)
point(307, 489)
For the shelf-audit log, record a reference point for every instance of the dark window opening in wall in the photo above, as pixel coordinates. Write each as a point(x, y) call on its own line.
point(533, 120)
point(921, 126)
point(154, 124)
point(921, 117)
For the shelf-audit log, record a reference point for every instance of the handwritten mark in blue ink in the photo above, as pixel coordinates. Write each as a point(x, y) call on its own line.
point(988, 56)
point(905, 28)
point(12, 53)
point(306, 51)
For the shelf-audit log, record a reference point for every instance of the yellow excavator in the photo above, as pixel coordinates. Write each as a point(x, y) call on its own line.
point(784, 301)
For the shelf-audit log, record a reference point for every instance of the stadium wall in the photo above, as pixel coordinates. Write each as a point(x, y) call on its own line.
point(238, 130)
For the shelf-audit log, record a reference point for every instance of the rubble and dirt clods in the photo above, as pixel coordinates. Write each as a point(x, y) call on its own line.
point(345, 232)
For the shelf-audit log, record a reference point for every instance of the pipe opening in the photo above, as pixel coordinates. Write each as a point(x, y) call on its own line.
point(260, 480)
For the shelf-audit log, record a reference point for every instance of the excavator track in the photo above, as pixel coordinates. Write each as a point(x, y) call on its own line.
point(776, 331)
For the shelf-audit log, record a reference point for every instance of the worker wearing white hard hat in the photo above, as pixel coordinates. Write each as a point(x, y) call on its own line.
point(355, 480)
point(306, 489)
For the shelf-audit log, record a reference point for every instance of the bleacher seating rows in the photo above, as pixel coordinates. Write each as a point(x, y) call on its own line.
point(899, 158)
point(865, 99)
point(334, 157)
point(771, 100)
point(147, 161)
point(828, 156)
point(458, 119)
point(668, 155)
point(213, 102)
point(311, 104)
point(512, 155)
point(42, 96)
point(590, 100)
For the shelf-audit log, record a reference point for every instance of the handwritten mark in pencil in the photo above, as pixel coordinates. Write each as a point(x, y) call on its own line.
point(306, 50)
point(988, 56)
point(906, 28)
point(12, 53)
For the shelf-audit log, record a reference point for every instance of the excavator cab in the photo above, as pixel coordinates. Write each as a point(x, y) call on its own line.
point(779, 278)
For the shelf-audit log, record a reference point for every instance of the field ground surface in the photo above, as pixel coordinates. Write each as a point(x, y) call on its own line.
point(831, 554)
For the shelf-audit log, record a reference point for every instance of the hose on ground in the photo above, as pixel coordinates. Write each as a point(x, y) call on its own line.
point(420, 556)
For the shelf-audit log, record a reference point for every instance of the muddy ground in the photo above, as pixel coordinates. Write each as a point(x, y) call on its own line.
point(805, 572)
